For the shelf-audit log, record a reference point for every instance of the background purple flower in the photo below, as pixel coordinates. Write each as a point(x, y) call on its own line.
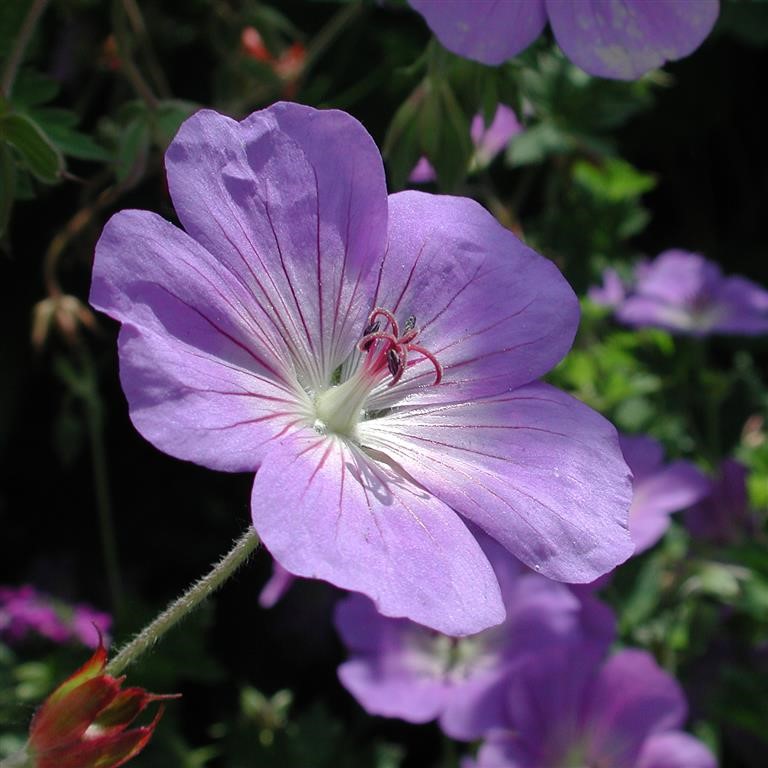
point(400, 669)
point(276, 587)
point(567, 708)
point(622, 39)
point(659, 489)
point(24, 611)
point(611, 293)
point(723, 516)
point(374, 358)
point(488, 142)
point(685, 293)
point(492, 139)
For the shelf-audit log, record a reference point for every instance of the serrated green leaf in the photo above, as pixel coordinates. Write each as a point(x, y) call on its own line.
point(38, 153)
point(59, 125)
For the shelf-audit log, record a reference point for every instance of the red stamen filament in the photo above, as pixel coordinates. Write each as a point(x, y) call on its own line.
point(377, 355)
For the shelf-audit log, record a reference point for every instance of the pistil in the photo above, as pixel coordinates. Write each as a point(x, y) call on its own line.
point(340, 408)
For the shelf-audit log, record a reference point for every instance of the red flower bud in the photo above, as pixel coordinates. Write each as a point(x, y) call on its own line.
point(83, 723)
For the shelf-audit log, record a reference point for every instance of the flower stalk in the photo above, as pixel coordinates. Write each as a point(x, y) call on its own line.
point(20, 46)
point(186, 603)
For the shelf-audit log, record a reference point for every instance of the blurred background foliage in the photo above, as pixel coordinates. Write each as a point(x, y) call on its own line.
point(604, 173)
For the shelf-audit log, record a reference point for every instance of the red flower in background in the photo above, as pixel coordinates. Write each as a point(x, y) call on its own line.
point(288, 66)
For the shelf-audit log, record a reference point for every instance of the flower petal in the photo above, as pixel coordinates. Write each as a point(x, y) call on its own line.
point(495, 313)
point(276, 587)
point(206, 378)
point(633, 698)
point(483, 30)
point(671, 489)
point(378, 675)
point(624, 39)
point(293, 201)
point(361, 525)
point(675, 749)
point(535, 469)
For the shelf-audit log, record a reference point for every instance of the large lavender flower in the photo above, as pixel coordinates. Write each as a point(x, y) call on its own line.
point(685, 293)
point(620, 39)
point(375, 358)
point(400, 669)
point(567, 708)
point(658, 489)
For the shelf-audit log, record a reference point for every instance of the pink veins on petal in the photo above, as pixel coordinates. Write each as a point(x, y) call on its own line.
point(276, 333)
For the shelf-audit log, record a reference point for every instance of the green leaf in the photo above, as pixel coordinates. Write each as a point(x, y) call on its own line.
point(169, 116)
point(12, 13)
point(7, 186)
point(452, 160)
point(133, 149)
point(59, 125)
point(613, 180)
point(537, 143)
point(33, 88)
point(430, 121)
point(37, 152)
point(401, 144)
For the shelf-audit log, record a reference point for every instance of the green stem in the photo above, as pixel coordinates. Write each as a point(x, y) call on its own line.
point(22, 41)
point(125, 53)
point(330, 32)
point(183, 605)
point(95, 421)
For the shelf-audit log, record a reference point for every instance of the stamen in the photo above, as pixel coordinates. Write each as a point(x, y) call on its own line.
point(365, 343)
point(410, 324)
point(432, 359)
point(380, 312)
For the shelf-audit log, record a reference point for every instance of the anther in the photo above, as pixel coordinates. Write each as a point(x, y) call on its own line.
point(410, 324)
point(393, 362)
point(369, 329)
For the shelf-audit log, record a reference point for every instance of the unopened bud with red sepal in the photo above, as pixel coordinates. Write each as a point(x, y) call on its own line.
point(84, 722)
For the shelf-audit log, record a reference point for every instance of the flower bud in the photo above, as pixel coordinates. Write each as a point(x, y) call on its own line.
point(84, 722)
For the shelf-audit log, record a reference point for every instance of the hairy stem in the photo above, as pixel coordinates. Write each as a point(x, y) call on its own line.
point(20, 45)
point(178, 609)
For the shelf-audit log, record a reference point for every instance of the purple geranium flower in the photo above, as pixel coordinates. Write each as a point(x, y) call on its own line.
point(25, 611)
point(620, 39)
point(567, 708)
point(723, 516)
point(685, 293)
point(659, 489)
point(374, 358)
point(401, 669)
point(611, 293)
point(488, 142)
